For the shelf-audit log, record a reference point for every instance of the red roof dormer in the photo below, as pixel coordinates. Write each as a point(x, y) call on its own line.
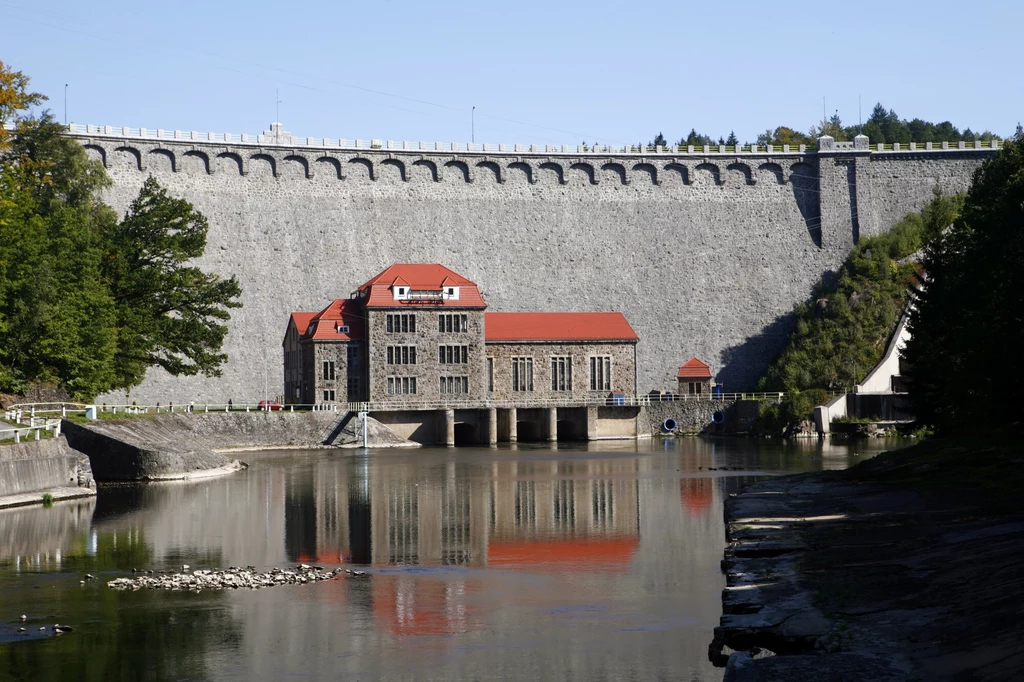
point(694, 369)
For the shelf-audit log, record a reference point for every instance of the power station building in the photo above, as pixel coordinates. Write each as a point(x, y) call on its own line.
point(422, 333)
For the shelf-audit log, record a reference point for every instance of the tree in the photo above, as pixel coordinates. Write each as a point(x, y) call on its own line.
point(695, 139)
point(14, 98)
point(968, 323)
point(56, 323)
point(88, 303)
point(659, 140)
point(731, 140)
point(168, 313)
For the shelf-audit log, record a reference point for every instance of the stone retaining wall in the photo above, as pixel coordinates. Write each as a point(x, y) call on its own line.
point(37, 466)
point(698, 416)
point(179, 445)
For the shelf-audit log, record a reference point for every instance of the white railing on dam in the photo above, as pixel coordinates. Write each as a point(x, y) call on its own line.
point(19, 412)
point(284, 139)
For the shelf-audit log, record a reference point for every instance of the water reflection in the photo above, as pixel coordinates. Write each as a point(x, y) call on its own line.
point(593, 561)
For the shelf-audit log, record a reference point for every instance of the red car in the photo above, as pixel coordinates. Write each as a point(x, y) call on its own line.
point(269, 405)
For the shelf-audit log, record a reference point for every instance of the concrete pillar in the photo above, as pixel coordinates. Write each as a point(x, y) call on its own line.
point(492, 426)
point(513, 425)
point(592, 423)
point(552, 424)
point(449, 427)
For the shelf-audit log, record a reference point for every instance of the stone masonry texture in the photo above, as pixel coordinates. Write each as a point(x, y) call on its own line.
point(705, 255)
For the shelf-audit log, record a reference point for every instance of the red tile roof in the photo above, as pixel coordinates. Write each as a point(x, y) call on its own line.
point(323, 326)
point(420, 277)
point(301, 321)
point(694, 369)
point(557, 327)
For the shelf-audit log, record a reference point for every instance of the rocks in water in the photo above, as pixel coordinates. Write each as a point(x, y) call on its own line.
point(61, 629)
point(232, 578)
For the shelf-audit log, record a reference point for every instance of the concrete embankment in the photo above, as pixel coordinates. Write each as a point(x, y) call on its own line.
point(173, 446)
point(31, 469)
point(903, 567)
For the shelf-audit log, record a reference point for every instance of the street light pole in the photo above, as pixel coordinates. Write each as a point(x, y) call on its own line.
point(65, 104)
point(472, 123)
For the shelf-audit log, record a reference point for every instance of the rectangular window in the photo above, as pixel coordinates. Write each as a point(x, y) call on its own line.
point(353, 387)
point(452, 355)
point(561, 373)
point(353, 356)
point(601, 373)
point(452, 323)
point(401, 385)
point(401, 355)
point(328, 370)
point(490, 375)
point(522, 374)
point(696, 388)
point(328, 396)
point(401, 323)
point(454, 385)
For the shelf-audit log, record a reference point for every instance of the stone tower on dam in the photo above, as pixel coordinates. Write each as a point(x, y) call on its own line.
point(705, 250)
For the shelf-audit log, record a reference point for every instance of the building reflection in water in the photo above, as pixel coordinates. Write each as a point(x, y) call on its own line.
point(576, 514)
point(505, 513)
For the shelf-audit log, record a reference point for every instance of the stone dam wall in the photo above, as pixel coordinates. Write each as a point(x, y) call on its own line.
point(705, 254)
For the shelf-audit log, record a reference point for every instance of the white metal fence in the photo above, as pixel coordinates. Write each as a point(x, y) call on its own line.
point(287, 140)
point(20, 412)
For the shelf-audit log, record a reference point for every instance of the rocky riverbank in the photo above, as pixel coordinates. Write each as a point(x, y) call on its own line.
point(232, 578)
point(903, 567)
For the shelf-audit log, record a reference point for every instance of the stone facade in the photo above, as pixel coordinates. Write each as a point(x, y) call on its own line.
point(622, 365)
point(427, 339)
point(706, 253)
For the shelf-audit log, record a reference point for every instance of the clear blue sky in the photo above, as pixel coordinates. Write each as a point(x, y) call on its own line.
point(537, 71)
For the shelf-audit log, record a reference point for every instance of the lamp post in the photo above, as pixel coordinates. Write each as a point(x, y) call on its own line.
point(472, 125)
point(65, 104)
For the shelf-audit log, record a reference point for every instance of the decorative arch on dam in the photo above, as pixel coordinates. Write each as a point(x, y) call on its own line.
point(459, 167)
point(553, 168)
point(711, 170)
point(681, 170)
point(299, 163)
point(648, 172)
point(232, 162)
point(771, 171)
point(331, 166)
point(494, 169)
point(367, 165)
point(259, 164)
point(399, 167)
point(524, 168)
point(161, 160)
point(196, 162)
point(96, 152)
point(742, 170)
point(615, 171)
point(133, 155)
point(585, 171)
point(429, 166)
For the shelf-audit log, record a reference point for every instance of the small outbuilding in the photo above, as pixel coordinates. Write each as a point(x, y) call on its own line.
point(694, 378)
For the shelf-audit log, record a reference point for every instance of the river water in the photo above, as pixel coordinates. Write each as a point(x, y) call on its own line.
point(596, 561)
